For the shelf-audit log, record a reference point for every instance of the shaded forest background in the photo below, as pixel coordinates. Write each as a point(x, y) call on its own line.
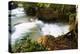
point(48, 11)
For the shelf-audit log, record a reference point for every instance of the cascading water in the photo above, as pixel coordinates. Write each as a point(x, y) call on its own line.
point(54, 29)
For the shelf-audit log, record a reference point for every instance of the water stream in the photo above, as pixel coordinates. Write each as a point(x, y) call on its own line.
point(55, 29)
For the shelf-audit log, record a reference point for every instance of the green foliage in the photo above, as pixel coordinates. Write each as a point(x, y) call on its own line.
point(63, 9)
point(27, 45)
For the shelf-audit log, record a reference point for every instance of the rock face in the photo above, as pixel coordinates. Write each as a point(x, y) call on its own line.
point(48, 13)
point(58, 43)
point(47, 41)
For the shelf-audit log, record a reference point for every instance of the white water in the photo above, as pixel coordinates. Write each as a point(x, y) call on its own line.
point(33, 28)
point(55, 29)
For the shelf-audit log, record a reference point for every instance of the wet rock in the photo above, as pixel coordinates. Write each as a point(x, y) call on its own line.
point(58, 43)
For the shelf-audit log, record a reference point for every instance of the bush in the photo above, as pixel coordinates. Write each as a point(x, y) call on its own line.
point(27, 45)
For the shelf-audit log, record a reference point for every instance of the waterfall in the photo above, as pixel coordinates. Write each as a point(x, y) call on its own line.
point(23, 25)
